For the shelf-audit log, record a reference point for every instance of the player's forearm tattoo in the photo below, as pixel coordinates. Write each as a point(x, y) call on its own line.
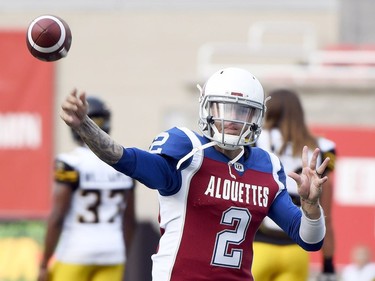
point(311, 210)
point(100, 142)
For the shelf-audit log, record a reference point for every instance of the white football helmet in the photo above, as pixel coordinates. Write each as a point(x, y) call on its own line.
point(232, 106)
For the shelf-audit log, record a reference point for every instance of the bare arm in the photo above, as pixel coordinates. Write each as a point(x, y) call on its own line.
point(99, 141)
point(74, 114)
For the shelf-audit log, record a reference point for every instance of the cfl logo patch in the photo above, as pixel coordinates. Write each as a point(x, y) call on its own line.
point(238, 167)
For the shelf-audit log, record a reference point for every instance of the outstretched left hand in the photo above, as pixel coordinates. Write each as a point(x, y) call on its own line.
point(310, 181)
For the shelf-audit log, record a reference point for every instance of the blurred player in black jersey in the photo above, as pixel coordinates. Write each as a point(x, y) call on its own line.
point(92, 219)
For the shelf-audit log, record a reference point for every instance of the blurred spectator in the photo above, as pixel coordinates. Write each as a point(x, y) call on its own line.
point(361, 268)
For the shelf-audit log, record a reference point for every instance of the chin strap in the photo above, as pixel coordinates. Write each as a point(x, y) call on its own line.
point(204, 146)
point(193, 151)
point(234, 160)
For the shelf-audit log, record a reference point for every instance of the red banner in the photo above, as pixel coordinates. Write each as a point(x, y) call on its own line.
point(26, 118)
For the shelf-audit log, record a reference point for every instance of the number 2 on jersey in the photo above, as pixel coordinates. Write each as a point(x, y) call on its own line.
point(158, 141)
point(221, 255)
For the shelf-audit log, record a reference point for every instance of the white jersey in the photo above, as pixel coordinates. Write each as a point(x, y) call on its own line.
point(272, 140)
point(92, 231)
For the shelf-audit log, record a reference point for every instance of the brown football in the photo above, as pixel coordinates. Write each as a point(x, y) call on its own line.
point(48, 38)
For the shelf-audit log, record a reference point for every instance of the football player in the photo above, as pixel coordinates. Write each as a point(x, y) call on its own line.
point(92, 214)
point(214, 188)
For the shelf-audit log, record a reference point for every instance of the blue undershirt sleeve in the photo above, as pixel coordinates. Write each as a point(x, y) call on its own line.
point(288, 216)
point(153, 170)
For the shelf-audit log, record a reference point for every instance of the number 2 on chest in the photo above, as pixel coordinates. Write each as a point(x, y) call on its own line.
point(221, 255)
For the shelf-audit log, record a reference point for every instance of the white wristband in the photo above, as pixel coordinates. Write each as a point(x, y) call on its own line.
point(312, 231)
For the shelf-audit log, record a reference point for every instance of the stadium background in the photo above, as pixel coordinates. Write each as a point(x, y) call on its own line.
point(145, 58)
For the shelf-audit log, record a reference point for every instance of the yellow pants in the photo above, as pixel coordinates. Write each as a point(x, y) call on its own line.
point(280, 262)
point(77, 272)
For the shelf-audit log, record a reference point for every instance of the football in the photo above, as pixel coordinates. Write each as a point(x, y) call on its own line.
point(48, 38)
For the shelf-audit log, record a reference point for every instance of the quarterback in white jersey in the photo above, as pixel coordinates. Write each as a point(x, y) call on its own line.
point(92, 214)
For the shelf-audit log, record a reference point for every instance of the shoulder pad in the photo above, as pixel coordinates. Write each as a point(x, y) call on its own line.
point(65, 173)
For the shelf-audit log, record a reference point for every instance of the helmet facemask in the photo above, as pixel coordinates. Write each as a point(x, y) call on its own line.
point(230, 121)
